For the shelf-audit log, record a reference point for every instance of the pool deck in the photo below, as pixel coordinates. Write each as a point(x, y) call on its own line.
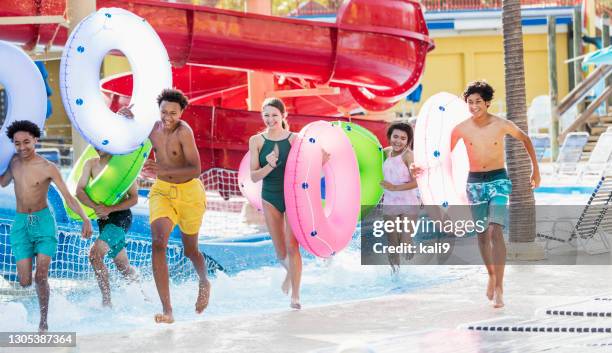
point(429, 320)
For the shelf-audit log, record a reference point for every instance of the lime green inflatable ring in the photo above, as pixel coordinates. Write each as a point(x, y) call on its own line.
point(111, 185)
point(370, 156)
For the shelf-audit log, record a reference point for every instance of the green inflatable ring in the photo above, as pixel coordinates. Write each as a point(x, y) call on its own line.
point(111, 185)
point(370, 156)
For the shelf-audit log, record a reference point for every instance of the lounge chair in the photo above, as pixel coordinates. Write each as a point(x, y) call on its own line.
point(541, 144)
point(51, 154)
point(592, 226)
point(570, 153)
point(600, 158)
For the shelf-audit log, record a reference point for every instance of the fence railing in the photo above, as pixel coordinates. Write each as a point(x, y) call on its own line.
point(456, 5)
point(453, 5)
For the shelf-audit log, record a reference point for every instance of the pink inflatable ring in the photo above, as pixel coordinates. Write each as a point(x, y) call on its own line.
point(322, 231)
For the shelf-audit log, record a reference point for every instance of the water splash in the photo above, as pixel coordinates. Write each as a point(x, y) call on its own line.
point(324, 282)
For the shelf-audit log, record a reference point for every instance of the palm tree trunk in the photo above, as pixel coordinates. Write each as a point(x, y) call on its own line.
point(522, 204)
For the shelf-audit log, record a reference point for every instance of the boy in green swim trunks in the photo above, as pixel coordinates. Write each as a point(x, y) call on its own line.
point(113, 224)
point(488, 187)
point(33, 231)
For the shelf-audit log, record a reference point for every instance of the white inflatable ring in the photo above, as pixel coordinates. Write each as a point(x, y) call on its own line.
point(443, 181)
point(96, 35)
point(26, 95)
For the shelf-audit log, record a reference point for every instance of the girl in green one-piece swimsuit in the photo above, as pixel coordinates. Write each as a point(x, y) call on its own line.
point(269, 152)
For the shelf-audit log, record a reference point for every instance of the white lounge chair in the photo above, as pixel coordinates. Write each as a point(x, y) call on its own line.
point(541, 144)
point(600, 158)
point(570, 153)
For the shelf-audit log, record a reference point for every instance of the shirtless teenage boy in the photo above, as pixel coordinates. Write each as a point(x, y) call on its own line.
point(177, 197)
point(488, 186)
point(33, 233)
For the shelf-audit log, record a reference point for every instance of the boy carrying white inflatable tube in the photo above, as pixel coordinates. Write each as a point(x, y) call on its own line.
point(488, 186)
point(113, 224)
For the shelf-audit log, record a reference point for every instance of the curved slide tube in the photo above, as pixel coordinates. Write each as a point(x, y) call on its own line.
point(377, 48)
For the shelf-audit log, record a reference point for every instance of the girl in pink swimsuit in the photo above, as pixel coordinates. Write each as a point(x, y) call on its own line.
point(400, 197)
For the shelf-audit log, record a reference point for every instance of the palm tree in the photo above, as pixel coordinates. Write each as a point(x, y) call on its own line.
point(522, 203)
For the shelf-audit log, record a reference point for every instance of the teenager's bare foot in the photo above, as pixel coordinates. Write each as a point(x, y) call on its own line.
point(43, 327)
point(295, 304)
point(286, 284)
point(203, 295)
point(498, 298)
point(164, 318)
point(132, 276)
point(106, 303)
point(491, 287)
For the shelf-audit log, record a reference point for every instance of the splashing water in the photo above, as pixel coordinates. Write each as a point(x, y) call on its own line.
point(251, 291)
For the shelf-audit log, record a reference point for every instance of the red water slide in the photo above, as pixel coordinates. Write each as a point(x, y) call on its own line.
point(376, 48)
point(374, 52)
point(218, 112)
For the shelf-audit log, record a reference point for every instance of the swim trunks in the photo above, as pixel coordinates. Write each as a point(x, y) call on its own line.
point(114, 229)
point(488, 193)
point(184, 204)
point(33, 233)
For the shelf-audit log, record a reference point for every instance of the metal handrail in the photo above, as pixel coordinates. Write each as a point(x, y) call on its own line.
point(454, 5)
point(458, 5)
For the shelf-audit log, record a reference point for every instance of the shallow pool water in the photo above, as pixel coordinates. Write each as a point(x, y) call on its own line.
point(556, 198)
point(251, 291)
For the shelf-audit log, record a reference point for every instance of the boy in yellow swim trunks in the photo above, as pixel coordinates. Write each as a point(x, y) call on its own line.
point(176, 198)
point(113, 224)
point(33, 233)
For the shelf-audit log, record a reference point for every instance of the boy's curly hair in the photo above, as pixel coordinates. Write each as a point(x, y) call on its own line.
point(22, 125)
point(173, 95)
point(484, 89)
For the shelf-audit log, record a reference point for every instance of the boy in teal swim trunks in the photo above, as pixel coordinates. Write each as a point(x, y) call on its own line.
point(33, 231)
point(488, 186)
point(113, 224)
